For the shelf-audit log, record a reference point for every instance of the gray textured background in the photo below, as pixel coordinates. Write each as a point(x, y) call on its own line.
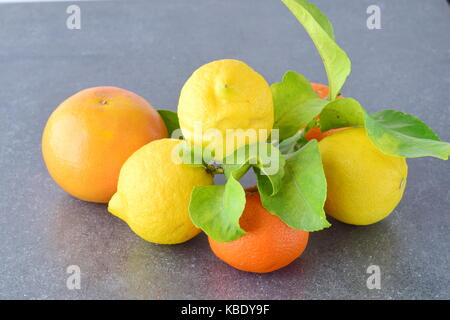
point(151, 47)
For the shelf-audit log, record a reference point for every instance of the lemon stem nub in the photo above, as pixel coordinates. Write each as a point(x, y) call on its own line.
point(212, 169)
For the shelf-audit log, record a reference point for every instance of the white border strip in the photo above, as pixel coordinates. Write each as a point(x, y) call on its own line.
point(40, 1)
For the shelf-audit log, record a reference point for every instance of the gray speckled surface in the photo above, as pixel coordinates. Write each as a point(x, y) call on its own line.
point(151, 47)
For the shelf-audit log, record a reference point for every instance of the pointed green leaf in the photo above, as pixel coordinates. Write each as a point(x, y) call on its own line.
point(336, 62)
point(320, 18)
point(170, 118)
point(301, 199)
point(292, 143)
point(217, 209)
point(399, 134)
point(394, 133)
point(295, 102)
point(344, 112)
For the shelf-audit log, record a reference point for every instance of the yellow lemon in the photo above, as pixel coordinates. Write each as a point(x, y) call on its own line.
point(153, 193)
point(225, 97)
point(364, 184)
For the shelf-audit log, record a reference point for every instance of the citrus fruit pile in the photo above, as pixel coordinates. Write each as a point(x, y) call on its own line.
point(313, 153)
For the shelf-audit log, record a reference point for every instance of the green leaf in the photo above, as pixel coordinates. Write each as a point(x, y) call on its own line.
point(300, 201)
point(405, 124)
point(344, 112)
point(394, 133)
point(288, 145)
point(336, 62)
point(295, 102)
point(292, 144)
point(264, 157)
point(217, 209)
point(170, 118)
point(399, 134)
point(298, 140)
point(319, 17)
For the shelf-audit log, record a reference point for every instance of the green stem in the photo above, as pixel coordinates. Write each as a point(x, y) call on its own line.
point(239, 173)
